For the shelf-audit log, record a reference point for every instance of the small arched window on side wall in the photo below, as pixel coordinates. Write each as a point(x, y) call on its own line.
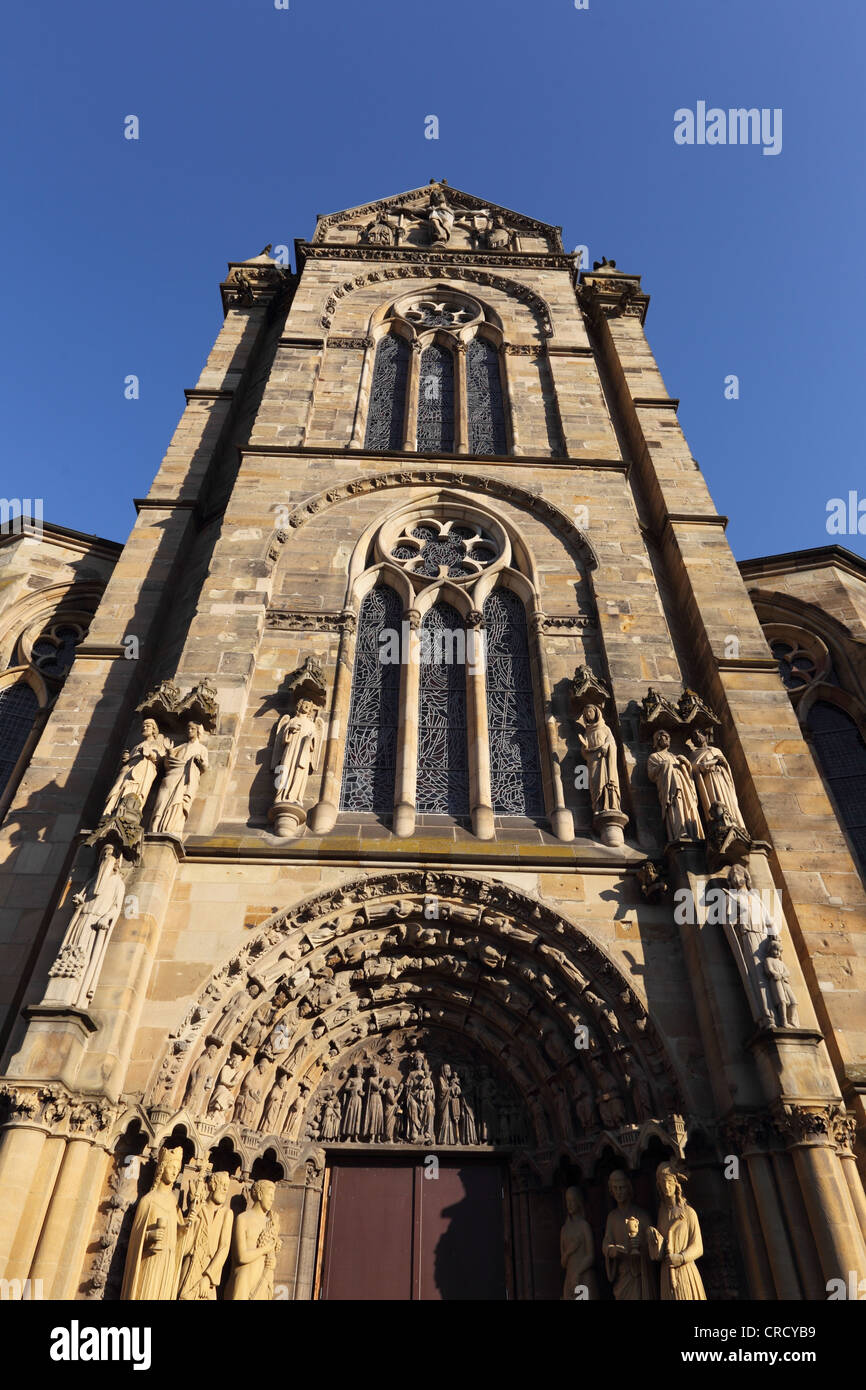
point(841, 756)
point(41, 660)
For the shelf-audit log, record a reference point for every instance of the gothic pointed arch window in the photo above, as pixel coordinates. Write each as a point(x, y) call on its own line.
point(40, 661)
point(386, 417)
point(485, 407)
point(444, 725)
point(19, 706)
point(840, 752)
point(515, 767)
point(438, 382)
point(443, 765)
point(371, 740)
point(436, 401)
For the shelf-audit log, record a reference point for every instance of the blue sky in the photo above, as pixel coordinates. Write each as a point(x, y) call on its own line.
point(253, 119)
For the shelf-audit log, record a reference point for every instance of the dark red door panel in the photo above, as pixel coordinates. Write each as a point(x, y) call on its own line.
point(462, 1244)
point(368, 1245)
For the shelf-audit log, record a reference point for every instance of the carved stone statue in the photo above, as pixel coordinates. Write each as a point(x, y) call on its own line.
point(781, 993)
point(599, 749)
point(98, 905)
point(671, 774)
point(625, 1245)
point(676, 1241)
point(153, 1254)
point(576, 1250)
point(748, 928)
point(374, 1118)
point(712, 775)
point(207, 1243)
point(201, 1077)
point(223, 1098)
point(255, 1245)
point(353, 1092)
point(252, 1094)
point(440, 218)
point(183, 765)
point(297, 747)
point(138, 767)
point(499, 237)
point(275, 1103)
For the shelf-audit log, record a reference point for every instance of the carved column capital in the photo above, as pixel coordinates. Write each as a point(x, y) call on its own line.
point(799, 1125)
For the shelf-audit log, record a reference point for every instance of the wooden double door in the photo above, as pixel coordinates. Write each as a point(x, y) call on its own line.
point(414, 1230)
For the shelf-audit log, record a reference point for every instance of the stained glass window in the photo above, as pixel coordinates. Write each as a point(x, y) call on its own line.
point(515, 769)
point(841, 756)
point(385, 419)
point(443, 770)
point(485, 408)
point(18, 709)
point(371, 740)
point(436, 401)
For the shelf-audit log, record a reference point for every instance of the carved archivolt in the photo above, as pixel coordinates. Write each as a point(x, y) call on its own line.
point(440, 477)
point(415, 271)
point(435, 964)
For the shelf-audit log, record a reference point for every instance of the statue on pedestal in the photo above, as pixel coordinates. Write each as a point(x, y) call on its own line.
point(76, 970)
point(671, 774)
point(183, 766)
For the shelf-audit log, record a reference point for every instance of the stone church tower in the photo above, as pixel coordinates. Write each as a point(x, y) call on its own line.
point(423, 829)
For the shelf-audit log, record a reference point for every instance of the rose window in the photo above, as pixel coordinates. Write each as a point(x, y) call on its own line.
point(445, 549)
point(796, 666)
point(432, 313)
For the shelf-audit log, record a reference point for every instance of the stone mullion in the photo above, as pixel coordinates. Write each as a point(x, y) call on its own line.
point(413, 386)
point(461, 400)
point(405, 789)
point(478, 731)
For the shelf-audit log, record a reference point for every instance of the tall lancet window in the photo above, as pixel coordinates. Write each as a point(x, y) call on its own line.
point(515, 769)
point(386, 417)
point(371, 740)
point(443, 770)
point(436, 401)
point(486, 411)
point(19, 707)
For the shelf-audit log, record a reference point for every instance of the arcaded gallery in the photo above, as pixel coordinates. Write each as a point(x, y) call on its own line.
point(432, 866)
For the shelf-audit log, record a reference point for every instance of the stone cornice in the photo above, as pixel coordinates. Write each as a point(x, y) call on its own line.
point(429, 255)
point(427, 461)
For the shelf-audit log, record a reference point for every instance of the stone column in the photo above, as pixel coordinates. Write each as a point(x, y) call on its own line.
point(324, 814)
point(69, 1223)
point(21, 1151)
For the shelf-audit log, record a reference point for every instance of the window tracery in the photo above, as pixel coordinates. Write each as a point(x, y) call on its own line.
point(436, 401)
point(434, 549)
point(386, 417)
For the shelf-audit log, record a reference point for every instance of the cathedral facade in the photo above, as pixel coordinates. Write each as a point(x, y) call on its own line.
point(432, 868)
